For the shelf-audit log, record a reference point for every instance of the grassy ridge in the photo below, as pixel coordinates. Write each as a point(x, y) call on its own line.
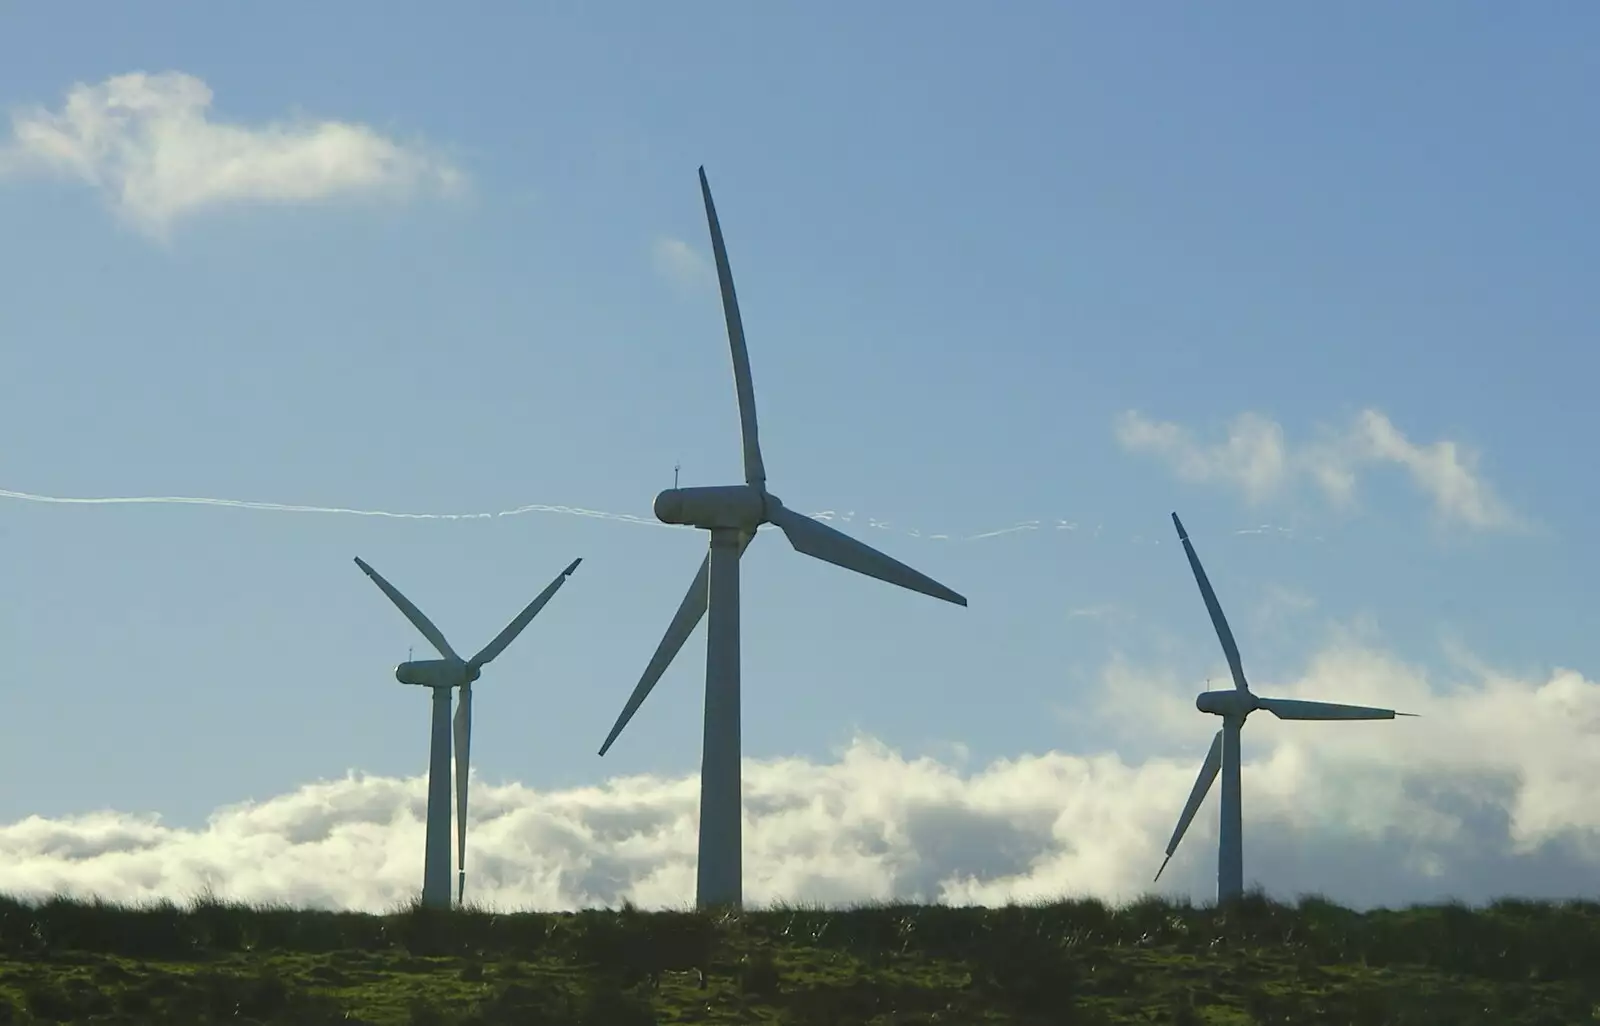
point(1257, 962)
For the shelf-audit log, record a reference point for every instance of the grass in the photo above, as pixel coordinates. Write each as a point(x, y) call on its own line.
point(1255, 962)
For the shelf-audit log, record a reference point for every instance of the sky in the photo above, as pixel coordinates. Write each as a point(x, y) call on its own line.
point(1017, 284)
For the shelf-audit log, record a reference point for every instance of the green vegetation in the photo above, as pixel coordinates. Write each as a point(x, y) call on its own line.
point(1256, 962)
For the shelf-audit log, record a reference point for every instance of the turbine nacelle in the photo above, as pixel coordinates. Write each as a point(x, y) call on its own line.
point(737, 507)
point(1231, 702)
point(435, 673)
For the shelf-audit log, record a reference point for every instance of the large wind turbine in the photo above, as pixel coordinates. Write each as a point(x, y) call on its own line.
point(733, 513)
point(441, 675)
point(1234, 707)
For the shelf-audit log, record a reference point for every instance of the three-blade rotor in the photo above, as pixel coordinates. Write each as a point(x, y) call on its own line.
point(746, 509)
point(453, 671)
point(1236, 706)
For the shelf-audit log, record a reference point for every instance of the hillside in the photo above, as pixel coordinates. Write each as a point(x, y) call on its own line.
point(1072, 962)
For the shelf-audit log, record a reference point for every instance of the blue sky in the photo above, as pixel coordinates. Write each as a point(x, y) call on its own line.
point(1032, 264)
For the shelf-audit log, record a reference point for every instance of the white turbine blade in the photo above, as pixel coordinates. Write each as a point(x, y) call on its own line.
point(463, 747)
point(755, 472)
point(525, 617)
point(817, 539)
point(683, 624)
point(1202, 784)
point(1224, 634)
point(684, 621)
point(422, 623)
point(1295, 709)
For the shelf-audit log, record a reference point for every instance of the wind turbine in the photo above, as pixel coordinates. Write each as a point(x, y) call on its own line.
point(733, 514)
point(441, 675)
point(1234, 707)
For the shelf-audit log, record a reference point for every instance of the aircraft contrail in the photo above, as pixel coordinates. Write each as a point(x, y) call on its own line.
point(577, 511)
point(1028, 525)
point(280, 507)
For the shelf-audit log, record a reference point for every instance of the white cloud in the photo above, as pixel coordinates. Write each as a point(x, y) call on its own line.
point(1489, 793)
point(1253, 456)
point(1279, 606)
point(146, 142)
point(1256, 458)
point(680, 262)
point(1445, 471)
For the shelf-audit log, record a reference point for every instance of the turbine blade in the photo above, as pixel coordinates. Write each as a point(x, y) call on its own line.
point(817, 539)
point(755, 472)
point(683, 624)
point(1224, 634)
point(463, 747)
point(515, 627)
point(1202, 785)
point(422, 623)
point(1295, 709)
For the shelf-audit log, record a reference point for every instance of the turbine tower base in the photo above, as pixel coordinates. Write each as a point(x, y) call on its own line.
point(436, 846)
point(720, 870)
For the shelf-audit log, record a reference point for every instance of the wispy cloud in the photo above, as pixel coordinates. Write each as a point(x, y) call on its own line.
point(148, 144)
point(1256, 458)
point(1252, 457)
point(1280, 604)
point(682, 263)
point(1445, 471)
point(1486, 795)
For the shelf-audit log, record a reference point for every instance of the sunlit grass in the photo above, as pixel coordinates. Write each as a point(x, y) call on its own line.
point(1256, 962)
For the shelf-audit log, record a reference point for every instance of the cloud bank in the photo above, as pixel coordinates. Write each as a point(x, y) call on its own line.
point(1256, 458)
point(1490, 793)
point(147, 143)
